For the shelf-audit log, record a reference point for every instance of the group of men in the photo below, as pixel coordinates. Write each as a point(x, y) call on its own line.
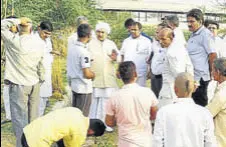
point(179, 69)
point(180, 75)
point(28, 67)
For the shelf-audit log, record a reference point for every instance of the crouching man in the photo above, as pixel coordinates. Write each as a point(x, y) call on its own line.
point(67, 127)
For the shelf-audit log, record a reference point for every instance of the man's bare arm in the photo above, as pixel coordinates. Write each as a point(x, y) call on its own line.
point(212, 57)
point(153, 112)
point(110, 120)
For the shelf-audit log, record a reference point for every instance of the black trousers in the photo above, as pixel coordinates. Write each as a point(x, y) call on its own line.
point(200, 95)
point(24, 141)
point(59, 143)
point(156, 84)
point(82, 101)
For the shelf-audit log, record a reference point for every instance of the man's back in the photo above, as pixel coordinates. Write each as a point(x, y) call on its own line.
point(184, 124)
point(131, 106)
point(23, 54)
point(78, 58)
point(67, 123)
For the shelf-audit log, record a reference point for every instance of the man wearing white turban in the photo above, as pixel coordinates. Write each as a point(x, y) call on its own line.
point(104, 54)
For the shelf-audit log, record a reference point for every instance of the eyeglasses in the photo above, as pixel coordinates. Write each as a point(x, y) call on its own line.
point(212, 28)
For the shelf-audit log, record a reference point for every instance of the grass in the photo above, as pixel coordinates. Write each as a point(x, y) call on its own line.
point(8, 139)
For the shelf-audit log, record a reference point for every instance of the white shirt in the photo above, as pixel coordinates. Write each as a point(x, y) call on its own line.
point(74, 37)
point(46, 86)
point(179, 36)
point(137, 50)
point(157, 63)
point(131, 108)
point(220, 47)
point(78, 57)
point(24, 54)
point(184, 124)
point(176, 61)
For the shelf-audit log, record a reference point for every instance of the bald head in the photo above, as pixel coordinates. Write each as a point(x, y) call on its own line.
point(165, 37)
point(184, 85)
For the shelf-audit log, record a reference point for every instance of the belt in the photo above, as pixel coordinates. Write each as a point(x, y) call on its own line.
point(158, 76)
point(7, 82)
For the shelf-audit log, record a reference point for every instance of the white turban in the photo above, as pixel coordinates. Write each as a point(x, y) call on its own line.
point(103, 25)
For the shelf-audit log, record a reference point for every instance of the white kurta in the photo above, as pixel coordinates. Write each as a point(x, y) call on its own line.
point(184, 124)
point(137, 50)
point(46, 87)
point(176, 61)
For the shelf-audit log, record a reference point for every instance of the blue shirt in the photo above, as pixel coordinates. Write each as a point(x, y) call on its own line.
point(145, 35)
point(199, 47)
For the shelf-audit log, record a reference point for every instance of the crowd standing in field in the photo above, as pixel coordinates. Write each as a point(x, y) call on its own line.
point(186, 100)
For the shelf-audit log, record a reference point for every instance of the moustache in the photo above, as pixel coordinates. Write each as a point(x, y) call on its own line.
point(190, 26)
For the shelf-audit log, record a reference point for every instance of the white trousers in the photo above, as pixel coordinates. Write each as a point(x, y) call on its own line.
point(42, 105)
point(141, 81)
point(164, 101)
point(97, 109)
point(6, 101)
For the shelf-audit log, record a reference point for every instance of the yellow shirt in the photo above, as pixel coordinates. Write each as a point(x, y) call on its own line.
point(217, 107)
point(67, 123)
point(102, 65)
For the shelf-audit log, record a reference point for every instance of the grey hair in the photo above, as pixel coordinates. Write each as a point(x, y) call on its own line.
point(220, 65)
point(80, 19)
point(173, 19)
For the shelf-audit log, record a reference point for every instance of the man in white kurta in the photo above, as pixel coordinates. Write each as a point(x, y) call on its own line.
point(173, 22)
point(184, 123)
point(137, 48)
point(176, 61)
point(104, 53)
point(157, 62)
point(44, 32)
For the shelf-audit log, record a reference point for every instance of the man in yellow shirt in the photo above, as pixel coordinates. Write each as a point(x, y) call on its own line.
point(68, 127)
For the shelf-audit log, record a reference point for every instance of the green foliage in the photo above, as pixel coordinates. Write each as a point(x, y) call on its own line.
point(149, 30)
point(186, 34)
point(116, 21)
point(59, 40)
point(61, 13)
